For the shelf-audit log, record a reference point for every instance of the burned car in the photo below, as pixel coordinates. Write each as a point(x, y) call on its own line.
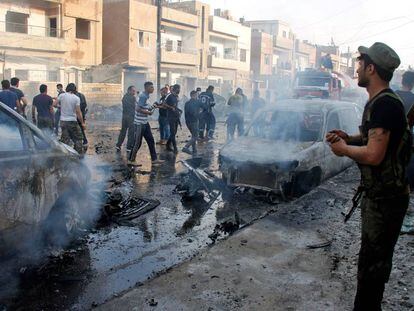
point(42, 182)
point(283, 150)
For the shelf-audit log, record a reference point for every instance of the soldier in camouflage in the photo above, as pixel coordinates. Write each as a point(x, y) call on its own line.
point(382, 152)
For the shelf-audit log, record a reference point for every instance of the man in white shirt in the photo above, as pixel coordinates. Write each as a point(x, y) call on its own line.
point(70, 112)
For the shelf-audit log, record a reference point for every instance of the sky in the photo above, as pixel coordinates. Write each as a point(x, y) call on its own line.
point(350, 23)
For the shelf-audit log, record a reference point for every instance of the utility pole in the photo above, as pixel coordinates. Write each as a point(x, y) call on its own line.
point(4, 65)
point(159, 16)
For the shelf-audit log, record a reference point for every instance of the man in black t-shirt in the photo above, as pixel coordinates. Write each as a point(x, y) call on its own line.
point(207, 120)
point(192, 111)
point(43, 104)
point(382, 151)
point(173, 116)
point(20, 95)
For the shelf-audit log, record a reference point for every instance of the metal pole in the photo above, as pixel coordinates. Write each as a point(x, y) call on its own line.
point(4, 64)
point(159, 15)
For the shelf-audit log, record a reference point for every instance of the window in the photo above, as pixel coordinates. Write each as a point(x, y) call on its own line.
point(350, 121)
point(141, 39)
point(52, 75)
point(10, 137)
point(333, 122)
point(243, 55)
point(83, 29)
point(169, 45)
point(22, 74)
point(267, 59)
point(284, 34)
point(16, 22)
point(53, 27)
point(179, 46)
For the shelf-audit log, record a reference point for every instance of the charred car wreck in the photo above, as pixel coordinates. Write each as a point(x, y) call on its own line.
point(42, 183)
point(283, 150)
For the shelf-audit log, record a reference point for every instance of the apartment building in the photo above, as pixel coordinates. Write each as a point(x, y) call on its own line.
point(49, 40)
point(305, 55)
point(261, 62)
point(229, 53)
point(131, 46)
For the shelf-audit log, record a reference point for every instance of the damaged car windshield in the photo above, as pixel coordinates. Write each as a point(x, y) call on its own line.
point(288, 125)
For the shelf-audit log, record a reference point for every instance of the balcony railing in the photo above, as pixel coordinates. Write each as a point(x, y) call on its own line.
point(178, 49)
point(32, 30)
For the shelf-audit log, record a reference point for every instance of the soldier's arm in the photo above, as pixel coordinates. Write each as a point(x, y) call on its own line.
point(354, 140)
point(374, 152)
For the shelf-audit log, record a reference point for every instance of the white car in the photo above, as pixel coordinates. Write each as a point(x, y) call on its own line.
point(284, 149)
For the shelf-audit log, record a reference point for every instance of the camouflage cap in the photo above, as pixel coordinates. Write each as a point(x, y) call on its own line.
point(382, 55)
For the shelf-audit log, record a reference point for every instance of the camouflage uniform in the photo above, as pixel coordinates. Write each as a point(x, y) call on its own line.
point(71, 131)
point(383, 207)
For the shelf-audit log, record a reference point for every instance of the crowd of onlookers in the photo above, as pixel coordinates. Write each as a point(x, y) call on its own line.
point(66, 111)
point(198, 115)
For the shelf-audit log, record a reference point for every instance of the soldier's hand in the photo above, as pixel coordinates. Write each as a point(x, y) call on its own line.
point(338, 147)
point(340, 133)
point(332, 138)
point(84, 126)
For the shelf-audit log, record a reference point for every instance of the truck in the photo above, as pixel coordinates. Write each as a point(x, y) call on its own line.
point(317, 83)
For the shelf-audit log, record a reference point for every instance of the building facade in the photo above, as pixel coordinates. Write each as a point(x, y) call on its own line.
point(49, 40)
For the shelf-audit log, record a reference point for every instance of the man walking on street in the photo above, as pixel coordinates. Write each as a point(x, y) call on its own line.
point(70, 114)
point(20, 95)
point(207, 119)
point(9, 98)
point(173, 115)
point(60, 90)
point(382, 151)
point(236, 115)
point(43, 104)
point(128, 114)
point(142, 127)
point(192, 111)
point(84, 110)
point(163, 119)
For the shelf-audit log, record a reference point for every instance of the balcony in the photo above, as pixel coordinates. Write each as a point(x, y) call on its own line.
point(281, 42)
point(23, 36)
point(179, 17)
point(179, 55)
point(226, 62)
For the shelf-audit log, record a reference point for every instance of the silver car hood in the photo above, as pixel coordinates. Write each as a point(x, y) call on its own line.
point(263, 151)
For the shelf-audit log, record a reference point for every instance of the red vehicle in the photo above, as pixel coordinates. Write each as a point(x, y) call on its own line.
point(317, 83)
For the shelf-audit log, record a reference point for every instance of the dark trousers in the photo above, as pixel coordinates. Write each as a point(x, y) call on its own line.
point(193, 128)
point(57, 119)
point(381, 224)
point(410, 173)
point(235, 120)
point(45, 123)
point(127, 126)
point(164, 127)
point(84, 139)
point(207, 122)
point(143, 130)
point(172, 142)
point(71, 132)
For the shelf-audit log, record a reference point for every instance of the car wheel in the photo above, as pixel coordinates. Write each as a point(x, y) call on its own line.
point(306, 181)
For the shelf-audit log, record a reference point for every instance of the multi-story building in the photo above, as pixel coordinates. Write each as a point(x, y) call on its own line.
point(229, 53)
point(130, 47)
point(49, 40)
point(305, 55)
point(261, 62)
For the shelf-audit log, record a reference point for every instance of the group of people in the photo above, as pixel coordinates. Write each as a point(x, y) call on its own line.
point(199, 118)
point(67, 111)
point(136, 110)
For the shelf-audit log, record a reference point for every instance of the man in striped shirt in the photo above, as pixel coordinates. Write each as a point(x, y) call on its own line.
point(142, 128)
